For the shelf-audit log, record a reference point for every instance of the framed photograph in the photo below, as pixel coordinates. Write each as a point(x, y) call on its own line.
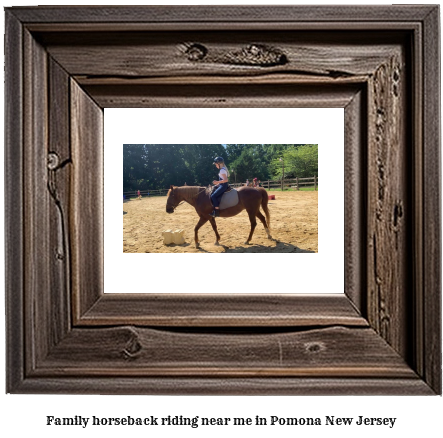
point(65, 334)
point(300, 215)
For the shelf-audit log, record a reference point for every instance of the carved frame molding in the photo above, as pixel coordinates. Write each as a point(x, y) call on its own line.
point(64, 65)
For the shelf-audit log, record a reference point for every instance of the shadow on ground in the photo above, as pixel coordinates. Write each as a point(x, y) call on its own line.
point(174, 245)
point(280, 247)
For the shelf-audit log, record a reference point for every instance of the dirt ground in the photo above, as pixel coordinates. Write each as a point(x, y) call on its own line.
point(294, 226)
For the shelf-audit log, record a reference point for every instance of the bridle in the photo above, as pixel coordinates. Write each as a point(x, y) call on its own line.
point(192, 197)
point(178, 205)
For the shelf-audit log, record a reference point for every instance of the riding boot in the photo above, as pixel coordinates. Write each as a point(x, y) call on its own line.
point(215, 213)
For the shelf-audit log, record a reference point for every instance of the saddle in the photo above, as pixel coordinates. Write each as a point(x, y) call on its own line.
point(229, 199)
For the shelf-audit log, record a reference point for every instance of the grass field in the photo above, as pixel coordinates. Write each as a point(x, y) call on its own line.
point(302, 189)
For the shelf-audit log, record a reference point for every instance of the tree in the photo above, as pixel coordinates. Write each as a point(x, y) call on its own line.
point(252, 162)
point(200, 158)
point(233, 151)
point(157, 166)
point(299, 162)
point(134, 162)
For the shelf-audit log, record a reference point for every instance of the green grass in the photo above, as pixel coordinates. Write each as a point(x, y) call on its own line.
point(302, 189)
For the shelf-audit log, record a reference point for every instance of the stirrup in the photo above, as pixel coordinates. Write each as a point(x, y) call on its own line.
point(215, 213)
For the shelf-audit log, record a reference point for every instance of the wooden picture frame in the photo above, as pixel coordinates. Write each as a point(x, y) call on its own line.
point(65, 64)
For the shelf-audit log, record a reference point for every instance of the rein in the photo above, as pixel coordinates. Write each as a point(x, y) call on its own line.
point(192, 197)
point(178, 205)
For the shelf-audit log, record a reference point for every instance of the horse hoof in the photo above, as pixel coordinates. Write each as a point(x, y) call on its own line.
point(247, 242)
point(197, 245)
point(217, 243)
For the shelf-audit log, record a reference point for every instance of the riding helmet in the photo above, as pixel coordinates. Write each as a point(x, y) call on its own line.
point(219, 160)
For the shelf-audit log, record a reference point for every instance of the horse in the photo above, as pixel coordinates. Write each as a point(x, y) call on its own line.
point(249, 199)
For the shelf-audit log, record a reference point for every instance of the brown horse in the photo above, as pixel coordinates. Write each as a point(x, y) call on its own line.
point(249, 198)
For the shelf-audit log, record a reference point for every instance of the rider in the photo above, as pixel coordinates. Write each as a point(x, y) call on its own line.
point(222, 184)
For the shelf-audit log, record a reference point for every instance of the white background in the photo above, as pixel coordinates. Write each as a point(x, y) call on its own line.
point(292, 273)
point(25, 414)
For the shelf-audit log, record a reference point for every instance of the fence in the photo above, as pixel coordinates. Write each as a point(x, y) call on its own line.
point(134, 193)
point(291, 183)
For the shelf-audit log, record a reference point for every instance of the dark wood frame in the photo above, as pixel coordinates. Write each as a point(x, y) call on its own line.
point(64, 65)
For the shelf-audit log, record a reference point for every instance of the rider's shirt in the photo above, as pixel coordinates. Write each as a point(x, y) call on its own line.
point(223, 174)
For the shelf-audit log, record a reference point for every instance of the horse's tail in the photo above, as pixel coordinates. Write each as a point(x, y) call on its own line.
point(264, 206)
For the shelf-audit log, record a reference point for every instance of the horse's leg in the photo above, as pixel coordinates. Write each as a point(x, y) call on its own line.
point(253, 225)
point(200, 223)
point(263, 221)
point(214, 227)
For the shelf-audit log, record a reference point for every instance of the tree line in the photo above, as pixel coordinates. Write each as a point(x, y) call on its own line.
point(157, 166)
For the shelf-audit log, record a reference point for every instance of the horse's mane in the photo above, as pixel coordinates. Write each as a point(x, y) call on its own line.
point(188, 192)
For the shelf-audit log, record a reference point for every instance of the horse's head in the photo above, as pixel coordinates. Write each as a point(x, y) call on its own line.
point(173, 200)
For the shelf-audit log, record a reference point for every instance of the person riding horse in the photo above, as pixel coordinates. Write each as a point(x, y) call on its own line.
point(249, 199)
point(222, 184)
